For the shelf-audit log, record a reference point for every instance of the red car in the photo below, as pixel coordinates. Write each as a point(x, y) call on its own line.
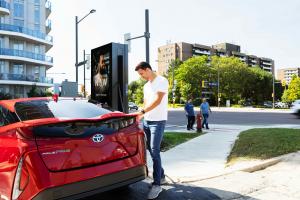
point(66, 149)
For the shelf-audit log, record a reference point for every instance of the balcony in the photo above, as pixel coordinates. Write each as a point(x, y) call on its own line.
point(23, 77)
point(46, 39)
point(48, 7)
point(4, 8)
point(34, 58)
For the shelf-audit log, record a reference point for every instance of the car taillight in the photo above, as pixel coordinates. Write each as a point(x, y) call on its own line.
point(21, 180)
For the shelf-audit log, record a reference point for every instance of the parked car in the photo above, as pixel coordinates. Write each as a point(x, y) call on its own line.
point(268, 104)
point(66, 149)
point(132, 106)
point(295, 108)
point(281, 105)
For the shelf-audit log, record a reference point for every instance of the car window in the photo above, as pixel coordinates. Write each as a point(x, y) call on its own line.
point(65, 108)
point(7, 117)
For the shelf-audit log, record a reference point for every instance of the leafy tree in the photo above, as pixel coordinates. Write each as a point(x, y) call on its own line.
point(190, 74)
point(34, 92)
point(293, 92)
point(171, 73)
point(261, 85)
point(135, 91)
point(234, 77)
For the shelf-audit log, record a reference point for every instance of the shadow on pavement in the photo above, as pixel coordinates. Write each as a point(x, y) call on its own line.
point(139, 191)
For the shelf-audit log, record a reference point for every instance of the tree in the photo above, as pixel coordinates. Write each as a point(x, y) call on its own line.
point(135, 91)
point(261, 85)
point(171, 73)
point(190, 74)
point(234, 78)
point(293, 92)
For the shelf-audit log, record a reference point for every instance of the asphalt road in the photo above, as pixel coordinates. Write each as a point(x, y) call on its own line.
point(178, 117)
point(139, 191)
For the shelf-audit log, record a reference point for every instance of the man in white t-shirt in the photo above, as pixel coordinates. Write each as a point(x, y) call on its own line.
point(155, 113)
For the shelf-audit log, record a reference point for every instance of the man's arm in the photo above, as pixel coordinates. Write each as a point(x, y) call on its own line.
point(156, 102)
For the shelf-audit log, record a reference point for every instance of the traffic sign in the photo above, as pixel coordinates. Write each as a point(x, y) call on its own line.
point(213, 84)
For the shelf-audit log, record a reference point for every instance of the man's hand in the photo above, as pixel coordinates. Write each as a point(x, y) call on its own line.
point(139, 116)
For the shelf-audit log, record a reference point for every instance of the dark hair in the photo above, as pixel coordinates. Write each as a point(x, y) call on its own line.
point(143, 66)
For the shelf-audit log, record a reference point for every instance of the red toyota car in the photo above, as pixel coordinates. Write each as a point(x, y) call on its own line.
point(66, 149)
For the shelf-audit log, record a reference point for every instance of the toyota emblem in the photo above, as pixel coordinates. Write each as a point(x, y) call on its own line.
point(98, 138)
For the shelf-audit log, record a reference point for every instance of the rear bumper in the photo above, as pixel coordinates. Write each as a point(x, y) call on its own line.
point(93, 186)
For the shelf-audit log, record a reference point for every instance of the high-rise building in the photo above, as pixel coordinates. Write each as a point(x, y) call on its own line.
point(24, 42)
point(286, 74)
point(184, 51)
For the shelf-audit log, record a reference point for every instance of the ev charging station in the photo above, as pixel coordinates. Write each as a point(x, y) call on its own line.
point(109, 76)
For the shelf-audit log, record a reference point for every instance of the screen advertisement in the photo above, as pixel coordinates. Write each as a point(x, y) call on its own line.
point(101, 72)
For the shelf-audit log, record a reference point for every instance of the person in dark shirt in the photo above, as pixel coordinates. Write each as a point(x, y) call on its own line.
point(190, 114)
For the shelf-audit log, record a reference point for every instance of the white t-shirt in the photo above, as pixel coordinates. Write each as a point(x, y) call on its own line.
point(160, 112)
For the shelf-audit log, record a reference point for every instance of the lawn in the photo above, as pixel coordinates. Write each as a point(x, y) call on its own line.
point(264, 143)
point(172, 139)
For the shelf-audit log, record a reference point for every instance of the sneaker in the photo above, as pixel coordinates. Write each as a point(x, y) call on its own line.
point(163, 181)
point(154, 192)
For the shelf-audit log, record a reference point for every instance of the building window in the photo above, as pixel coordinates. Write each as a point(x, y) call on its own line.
point(2, 66)
point(18, 69)
point(1, 42)
point(2, 19)
point(37, 49)
point(37, 16)
point(18, 46)
point(19, 9)
point(37, 2)
point(36, 71)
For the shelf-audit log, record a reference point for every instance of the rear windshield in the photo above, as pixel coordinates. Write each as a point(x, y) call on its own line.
point(37, 109)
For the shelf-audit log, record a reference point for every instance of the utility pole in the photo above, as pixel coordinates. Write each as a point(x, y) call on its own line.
point(173, 86)
point(146, 36)
point(84, 74)
point(219, 98)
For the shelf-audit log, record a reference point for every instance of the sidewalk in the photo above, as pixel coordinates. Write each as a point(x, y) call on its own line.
point(204, 157)
point(243, 109)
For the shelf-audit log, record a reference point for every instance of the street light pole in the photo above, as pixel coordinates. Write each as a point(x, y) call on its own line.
point(273, 93)
point(147, 35)
point(76, 47)
point(173, 88)
point(84, 74)
point(218, 87)
point(76, 39)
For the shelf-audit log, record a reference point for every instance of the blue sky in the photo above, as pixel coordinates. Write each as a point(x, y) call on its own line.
point(266, 28)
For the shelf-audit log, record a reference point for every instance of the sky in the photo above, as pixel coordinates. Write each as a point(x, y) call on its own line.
point(265, 28)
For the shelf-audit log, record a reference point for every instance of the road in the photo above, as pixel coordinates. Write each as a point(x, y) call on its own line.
point(177, 117)
point(138, 191)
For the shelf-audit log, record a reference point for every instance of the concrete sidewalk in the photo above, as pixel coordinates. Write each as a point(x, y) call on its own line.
point(205, 157)
point(243, 109)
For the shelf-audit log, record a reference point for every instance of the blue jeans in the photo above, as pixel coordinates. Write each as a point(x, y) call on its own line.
point(205, 120)
point(154, 131)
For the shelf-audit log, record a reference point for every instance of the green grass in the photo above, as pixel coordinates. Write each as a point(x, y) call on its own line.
point(176, 105)
point(264, 143)
point(172, 139)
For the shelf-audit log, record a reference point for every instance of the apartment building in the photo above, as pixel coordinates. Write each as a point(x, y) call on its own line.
point(286, 74)
point(24, 42)
point(184, 51)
